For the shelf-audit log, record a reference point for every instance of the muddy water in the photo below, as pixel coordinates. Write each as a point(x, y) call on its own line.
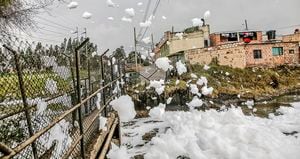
point(266, 107)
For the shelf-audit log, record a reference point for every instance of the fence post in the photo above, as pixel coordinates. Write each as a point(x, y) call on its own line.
point(78, 87)
point(103, 81)
point(73, 93)
point(89, 82)
point(24, 97)
point(111, 69)
point(112, 86)
point(120, 75)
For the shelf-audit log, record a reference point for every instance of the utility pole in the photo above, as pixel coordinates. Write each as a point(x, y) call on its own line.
point(246, 24)
point(77, 33)
point(152, 41)
point(136, 62)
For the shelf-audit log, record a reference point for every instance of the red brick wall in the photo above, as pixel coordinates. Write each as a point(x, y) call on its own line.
point(259, 36)
point(215, 39)
point(268, 59)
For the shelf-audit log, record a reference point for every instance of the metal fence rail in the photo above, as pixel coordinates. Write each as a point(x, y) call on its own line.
point(52, 98)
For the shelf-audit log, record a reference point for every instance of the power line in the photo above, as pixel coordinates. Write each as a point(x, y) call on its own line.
point(54, 35)
point(286, 27)
point(283, 27)
point(153, 14)
point(51, 31)
point(53, 26)
point(145, 16)
point(54, 22)
point(30, 36)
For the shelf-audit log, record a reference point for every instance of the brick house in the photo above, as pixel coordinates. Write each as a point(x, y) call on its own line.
point(248, 49)
point(293, 38)
point(270, 54)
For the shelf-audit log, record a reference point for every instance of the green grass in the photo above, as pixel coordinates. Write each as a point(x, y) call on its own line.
point(34, 84)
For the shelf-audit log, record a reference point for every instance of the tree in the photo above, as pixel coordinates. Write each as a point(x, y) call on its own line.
point(119, 53)
point(17, 14)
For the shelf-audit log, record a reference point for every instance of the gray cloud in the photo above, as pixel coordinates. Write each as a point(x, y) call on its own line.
point(226, 15)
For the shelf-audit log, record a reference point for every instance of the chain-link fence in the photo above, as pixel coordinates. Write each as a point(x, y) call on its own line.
point(50, 104)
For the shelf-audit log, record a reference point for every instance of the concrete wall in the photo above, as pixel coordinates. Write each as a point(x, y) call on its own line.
point(232, 55)
point(170, 44)
point(189, 41)
point(268, 59)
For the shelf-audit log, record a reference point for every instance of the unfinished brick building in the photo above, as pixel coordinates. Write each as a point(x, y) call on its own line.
point(231, 49)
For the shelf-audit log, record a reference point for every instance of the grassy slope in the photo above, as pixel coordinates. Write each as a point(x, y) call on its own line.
point(250, 82)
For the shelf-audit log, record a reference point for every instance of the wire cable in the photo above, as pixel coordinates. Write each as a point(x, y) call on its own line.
point(145, 17)
point(53, 26)
point(51, 31)
point(54, 22)
point(153, 14)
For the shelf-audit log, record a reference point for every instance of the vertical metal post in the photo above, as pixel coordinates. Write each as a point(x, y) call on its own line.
point(74, 87)
point(119, 75)
point(152, 43)
point(78, 87)
point(103, 81)
point(86, 95)
point(24, 98)
point(135, 53)
point(111, 70)
point(89, 70)
point(112, 86)
point(89, 80)
point(246, 24)
point(72, 73)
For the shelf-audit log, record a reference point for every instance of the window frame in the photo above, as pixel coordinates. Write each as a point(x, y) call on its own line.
point(257, 54)
point(279, 52)
point(291, 51)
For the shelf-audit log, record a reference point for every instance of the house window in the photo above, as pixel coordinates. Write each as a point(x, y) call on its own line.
point(277, 51)
point(250, 35)
point(229, 37)
point(291, 51)
point(257, 54)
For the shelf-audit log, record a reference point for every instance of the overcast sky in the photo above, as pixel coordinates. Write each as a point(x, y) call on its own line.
point(226, 15)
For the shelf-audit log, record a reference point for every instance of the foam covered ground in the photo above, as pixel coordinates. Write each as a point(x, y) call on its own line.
point(216, 135)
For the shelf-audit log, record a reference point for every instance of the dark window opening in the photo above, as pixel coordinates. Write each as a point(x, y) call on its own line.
point(291, 51)
point(257, 54)
point(205, 43)
point(227, 37)
point(277, 51)
point(250, 35)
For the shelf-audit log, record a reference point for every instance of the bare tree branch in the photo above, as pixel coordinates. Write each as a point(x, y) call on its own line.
point(18, 14)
